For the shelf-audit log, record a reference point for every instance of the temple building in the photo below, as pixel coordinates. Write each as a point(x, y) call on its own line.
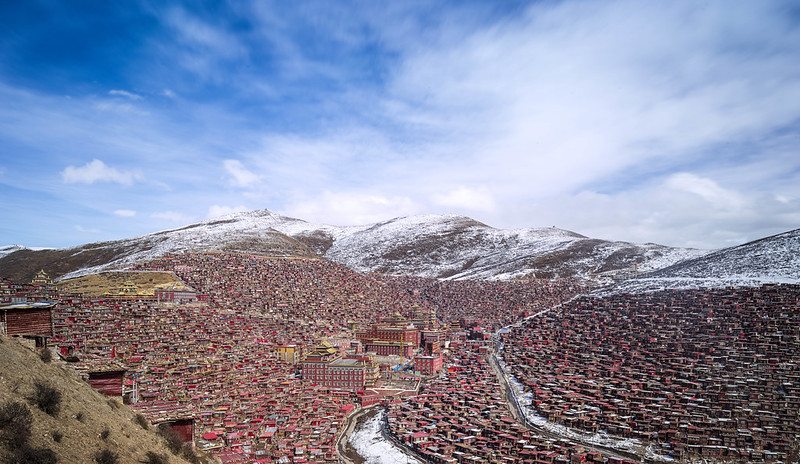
point(326, 367)
point(41, 288)
point(395, 335)
point(129, 290)
point(289, 353)
point(179, 294)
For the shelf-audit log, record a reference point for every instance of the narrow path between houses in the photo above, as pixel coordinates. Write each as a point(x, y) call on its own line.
point(346, 452)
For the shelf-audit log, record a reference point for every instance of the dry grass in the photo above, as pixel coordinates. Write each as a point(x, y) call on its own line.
point(98, 284)
point(69, 439)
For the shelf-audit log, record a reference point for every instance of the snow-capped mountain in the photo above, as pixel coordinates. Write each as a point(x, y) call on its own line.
point(223, 234)
point(441, 246)
point(8, 249)
point(458, 247)
point(774, 259)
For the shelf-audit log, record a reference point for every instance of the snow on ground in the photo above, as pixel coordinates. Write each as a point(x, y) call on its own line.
point(372, 446)
point(655, 284)
point(661, 257)
point(8, 249)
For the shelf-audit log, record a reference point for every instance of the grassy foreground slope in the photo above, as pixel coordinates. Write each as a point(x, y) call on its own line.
point(83, 426)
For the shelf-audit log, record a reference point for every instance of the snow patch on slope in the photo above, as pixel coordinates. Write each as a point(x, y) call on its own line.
point(8, 249)
point(437, 246)
point(248, 233)
point(769, 260)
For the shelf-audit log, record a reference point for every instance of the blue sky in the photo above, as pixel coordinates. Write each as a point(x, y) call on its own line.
point(670, 122)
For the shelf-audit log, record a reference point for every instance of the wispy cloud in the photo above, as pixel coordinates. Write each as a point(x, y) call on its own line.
point(239, 175)
point(124, 93)
point(673, 122)
point(571, 92)
point(203, 45)
point(125, 213)
point(98, 171)
point(85, 230)
point(172, 216)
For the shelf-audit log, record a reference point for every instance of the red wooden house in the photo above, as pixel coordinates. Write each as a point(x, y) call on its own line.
point(28, 320)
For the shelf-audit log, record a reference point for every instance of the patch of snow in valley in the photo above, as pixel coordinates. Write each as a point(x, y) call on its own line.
point(372, 446)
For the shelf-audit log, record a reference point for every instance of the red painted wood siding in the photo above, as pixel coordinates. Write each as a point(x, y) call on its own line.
point(108, 383)
point(185, 428)
point(29, 322)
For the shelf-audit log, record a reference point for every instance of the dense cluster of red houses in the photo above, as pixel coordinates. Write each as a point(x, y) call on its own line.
point(463, 417)
point(699, 374)
point(219, 359)
point(712, 374)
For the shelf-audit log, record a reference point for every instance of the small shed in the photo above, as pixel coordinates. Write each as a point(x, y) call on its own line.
point(184, 428)
point(179, 418)
point(28, 320)
point(108, 382)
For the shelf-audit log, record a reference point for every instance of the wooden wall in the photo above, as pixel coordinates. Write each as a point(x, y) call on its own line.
point(35, 321)
point(108, 383)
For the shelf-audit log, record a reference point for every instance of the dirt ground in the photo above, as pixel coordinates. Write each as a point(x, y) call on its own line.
point(396, 382)
point(84, 414)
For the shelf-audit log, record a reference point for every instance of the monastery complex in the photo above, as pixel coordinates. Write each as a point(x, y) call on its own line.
point(264, 360)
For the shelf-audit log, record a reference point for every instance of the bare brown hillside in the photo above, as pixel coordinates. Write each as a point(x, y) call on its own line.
point(86, 423)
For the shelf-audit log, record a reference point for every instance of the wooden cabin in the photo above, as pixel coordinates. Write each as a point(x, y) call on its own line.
point(28, 320)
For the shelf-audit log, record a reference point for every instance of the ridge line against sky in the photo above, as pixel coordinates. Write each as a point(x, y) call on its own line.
point(669, 122)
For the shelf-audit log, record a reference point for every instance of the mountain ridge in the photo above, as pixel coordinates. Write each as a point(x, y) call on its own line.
point(768, 260)
point(435, 246)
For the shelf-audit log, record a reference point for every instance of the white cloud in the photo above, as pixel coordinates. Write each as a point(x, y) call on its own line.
point(125, 212)
point(706, 190)
point(97, 171)
point(479, 199)
point(621, 119)
point(351, 208)
point(172, 216)
point(84, 230)
point(114, 106)
point(216, 211)
point(684, 209)
point(569, 93)
point(124, 93)
point(240, 177)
